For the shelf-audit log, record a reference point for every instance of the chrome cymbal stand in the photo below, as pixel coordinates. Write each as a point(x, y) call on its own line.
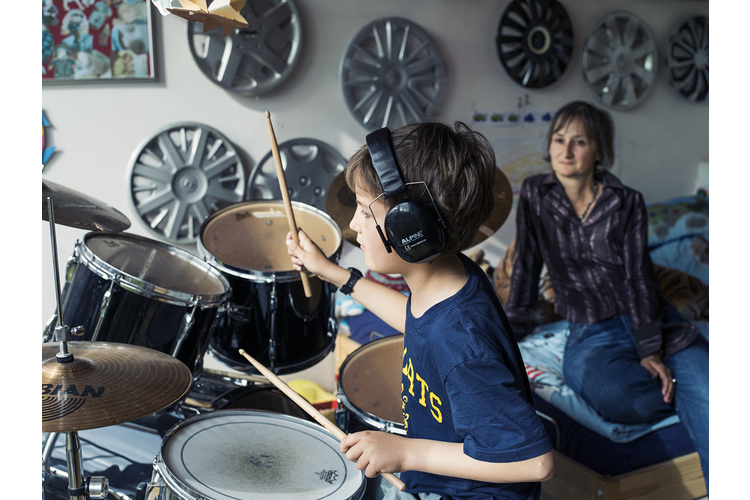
point(79, 487)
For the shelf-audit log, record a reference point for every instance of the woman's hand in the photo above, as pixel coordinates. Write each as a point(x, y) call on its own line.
point(656, 368)
point(375, 451)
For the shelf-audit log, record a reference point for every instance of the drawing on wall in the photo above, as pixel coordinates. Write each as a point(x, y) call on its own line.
point(48, 150)
point(96, 41)
point(520, 158)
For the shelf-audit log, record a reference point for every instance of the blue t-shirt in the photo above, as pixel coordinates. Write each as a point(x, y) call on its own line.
point(463, 381)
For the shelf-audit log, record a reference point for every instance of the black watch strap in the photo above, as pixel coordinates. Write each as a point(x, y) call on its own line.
point(354, 275)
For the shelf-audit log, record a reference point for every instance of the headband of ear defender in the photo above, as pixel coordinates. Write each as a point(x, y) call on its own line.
point(415, 230)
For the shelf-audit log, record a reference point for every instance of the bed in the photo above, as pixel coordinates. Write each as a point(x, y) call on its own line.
point(595, 458)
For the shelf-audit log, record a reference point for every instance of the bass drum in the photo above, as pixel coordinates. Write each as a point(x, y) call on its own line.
point(249, 454)
point(268, 314)
point(134, 290)
point(369, 388)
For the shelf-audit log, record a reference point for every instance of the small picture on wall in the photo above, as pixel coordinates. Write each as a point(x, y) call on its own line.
point(96, 41)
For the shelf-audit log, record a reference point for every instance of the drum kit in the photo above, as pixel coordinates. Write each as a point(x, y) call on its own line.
point(130, 369)
point(123, 354)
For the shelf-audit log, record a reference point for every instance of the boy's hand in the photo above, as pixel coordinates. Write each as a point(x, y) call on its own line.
point(308, 255)
point(375, 451)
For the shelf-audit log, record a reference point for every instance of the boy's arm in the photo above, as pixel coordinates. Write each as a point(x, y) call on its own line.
point(377, 452)
point(387, 304)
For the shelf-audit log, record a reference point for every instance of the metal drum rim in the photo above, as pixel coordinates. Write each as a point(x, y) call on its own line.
point(261, 276)
point(151, 291)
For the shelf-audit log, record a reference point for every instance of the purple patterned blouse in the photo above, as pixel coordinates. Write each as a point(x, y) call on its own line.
point(599, 268)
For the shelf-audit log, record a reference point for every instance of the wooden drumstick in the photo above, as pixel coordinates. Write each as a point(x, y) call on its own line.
point(287, 202)
point(311, 410)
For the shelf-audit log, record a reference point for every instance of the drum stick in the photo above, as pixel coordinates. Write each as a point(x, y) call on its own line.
point(287, 202)
point(312, 411)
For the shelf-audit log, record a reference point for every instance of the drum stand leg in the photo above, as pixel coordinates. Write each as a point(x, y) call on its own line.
point(76, 486)
point(273, 304)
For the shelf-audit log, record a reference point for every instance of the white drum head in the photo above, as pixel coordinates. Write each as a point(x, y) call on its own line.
point(247, 454)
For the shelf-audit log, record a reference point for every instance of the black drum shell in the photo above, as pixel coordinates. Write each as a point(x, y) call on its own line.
point(138, 311)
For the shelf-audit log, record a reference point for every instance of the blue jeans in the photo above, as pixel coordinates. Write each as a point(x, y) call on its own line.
point(600, 363)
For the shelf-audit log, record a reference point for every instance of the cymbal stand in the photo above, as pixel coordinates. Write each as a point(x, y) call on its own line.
point(78, 487)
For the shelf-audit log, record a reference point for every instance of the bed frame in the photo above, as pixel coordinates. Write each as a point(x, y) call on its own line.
point(677, 479)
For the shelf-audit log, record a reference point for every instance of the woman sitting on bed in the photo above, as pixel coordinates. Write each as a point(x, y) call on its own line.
point(629, 354)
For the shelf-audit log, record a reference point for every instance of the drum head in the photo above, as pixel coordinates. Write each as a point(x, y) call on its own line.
point(251, 236)
point(151, 266)
point(236, 454)
point(370, 378)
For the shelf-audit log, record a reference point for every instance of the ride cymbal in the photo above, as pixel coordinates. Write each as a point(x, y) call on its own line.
point(341, 203)
point(74, 209)
point(107, 383)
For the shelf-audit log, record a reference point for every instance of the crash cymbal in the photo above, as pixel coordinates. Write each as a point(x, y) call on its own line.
point(107, 383)
point(74, 209)
point(341, 203)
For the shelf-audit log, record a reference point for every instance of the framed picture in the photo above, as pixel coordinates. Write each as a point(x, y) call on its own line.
point(97, 41)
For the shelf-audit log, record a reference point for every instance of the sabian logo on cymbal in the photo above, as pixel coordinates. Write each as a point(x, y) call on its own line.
point(72, 390)
point(59, 401)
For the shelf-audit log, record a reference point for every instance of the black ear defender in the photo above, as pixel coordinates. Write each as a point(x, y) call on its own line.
point(415, 230)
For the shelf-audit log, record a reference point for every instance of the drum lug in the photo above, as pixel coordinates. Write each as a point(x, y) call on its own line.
point(106, 298)
point(185, 326)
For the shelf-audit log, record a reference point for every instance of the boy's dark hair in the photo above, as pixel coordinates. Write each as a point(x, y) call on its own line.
point(596, 123)
point(458, 166)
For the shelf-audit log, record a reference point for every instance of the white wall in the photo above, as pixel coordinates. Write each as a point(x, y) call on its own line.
point(95, 128)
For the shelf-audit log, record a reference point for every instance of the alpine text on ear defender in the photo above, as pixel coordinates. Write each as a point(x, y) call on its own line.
point(415, 230)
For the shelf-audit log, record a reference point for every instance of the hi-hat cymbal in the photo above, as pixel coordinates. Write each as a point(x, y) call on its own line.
point(75, 209)
point(106, 384)
point(341, 203)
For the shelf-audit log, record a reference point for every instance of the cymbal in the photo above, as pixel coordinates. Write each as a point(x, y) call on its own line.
point(341, 203)
point(78, 210)
point(107, 383)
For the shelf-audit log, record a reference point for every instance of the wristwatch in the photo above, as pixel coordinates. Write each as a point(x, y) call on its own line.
point(353, 277)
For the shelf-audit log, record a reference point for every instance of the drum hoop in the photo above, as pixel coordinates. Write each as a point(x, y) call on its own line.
point(368, 418)
point(261, 276)
point(378, 423)
point(132, 284)
point(161, 468)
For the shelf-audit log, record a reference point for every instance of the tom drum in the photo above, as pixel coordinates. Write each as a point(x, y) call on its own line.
point(268, 314)
point(369, 388)
point(133, 290)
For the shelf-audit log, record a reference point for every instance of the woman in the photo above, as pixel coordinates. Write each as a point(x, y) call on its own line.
point(629, 354)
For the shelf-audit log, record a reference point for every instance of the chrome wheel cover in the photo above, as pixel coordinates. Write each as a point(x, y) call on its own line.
point(309, 168)
point(687, 59)
point(534, 42)
point(253, 60)
point(181, 175)
point(620, 60)
point(391, 74)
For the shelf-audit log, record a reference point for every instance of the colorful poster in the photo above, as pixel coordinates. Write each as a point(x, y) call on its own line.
point(96, 40)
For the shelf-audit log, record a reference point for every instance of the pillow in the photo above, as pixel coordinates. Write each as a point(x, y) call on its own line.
point(677, 218)
point(689, 255)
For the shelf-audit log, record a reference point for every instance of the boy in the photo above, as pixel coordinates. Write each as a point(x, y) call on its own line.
point(422, 193)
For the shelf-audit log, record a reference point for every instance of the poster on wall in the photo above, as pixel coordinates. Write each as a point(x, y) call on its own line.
point(96, 41)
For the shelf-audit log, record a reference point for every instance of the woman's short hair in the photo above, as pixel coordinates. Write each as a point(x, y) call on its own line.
point(457, 164)
point(596, 123)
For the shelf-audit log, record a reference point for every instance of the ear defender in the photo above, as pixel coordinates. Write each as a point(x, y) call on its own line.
point(415, 230)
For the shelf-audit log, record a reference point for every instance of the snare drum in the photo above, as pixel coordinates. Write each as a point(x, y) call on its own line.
point(268, 314)
point(369, 388)
point(247, 454)
point(133, 290)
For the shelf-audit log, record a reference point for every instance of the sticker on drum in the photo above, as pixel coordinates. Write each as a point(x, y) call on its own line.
point(134, 290)
point(268, 314)
point(246, 454)
point(369, 388)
